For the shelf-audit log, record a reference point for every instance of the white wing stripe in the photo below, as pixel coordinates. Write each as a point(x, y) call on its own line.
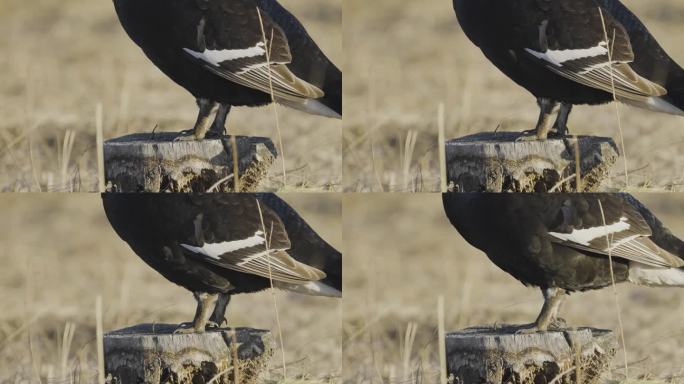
point(216, 250)
point(215, 57)
point(585, 236)
point(558, 57)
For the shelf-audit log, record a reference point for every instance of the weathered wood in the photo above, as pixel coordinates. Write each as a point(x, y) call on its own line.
point(156, 162)
point(152, 354)
point(502, 356)
point(498, 162)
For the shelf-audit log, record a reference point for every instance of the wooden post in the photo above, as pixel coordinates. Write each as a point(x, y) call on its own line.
point(155, 162)
point(152, 354)
point(497, 162)
point(501, 356)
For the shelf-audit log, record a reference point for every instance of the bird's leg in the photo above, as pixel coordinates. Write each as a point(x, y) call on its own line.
point(206, 108)
point(218, 317)
point(218, 129)
point(547, 107)
point(548, 317)
point(561, 125)
point(205, 303)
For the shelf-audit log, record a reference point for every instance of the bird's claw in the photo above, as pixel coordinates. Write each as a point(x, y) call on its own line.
point(557, 324)
point(527, 136)
point(186, 329)
point(213, 325)
point(187, 135)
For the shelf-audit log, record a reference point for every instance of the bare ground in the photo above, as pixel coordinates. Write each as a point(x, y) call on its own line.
point(60, 59)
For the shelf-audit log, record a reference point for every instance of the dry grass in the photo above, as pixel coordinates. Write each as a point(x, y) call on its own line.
point(411, 56)
point(402, 254)
point(59, 254)
point(60, 60)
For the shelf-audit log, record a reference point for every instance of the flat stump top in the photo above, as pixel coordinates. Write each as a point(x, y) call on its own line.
point(152, 353)
point(500, 162)
point(158, 162)
point(502, 354)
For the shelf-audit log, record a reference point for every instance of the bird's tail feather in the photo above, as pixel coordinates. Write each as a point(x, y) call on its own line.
point(650, 276)
point(313, 288)
point(311, 106)
point(658, 104)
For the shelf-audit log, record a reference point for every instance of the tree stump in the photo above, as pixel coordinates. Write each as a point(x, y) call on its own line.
point(497, 162)
point(155, 162)
point(152, 354)
point(500, 356)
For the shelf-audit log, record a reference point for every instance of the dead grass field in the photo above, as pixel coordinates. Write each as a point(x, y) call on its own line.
point(60, 59)
point(401, 253)
point(405, 58)
point(59, 253)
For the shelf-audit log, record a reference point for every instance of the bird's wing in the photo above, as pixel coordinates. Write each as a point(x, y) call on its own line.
point(570, 40)
point(613, 228)
point(240, 42)
point(240, 234)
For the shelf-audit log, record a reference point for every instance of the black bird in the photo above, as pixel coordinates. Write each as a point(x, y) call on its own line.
point(564, 243)
point(558, 51)
point(217, 51)
point(219, 245)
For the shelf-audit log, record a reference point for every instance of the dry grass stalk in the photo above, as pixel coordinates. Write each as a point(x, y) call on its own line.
point(609, 240)
point(100, 146)
point(441, 124)
point(236, 172)
point(441, 334)
point(267, 235)
point(273, 100)
point(615, 100)
point(100, 341)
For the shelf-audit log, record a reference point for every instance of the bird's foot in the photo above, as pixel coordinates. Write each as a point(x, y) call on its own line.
point(557, 324)
point(218, 324)
point(557, 135)
point(214, 325)
point(213, 135)
point(527, 329)
point(187, 329)
point(527, 136)
point(187, 135)
point(216, 131)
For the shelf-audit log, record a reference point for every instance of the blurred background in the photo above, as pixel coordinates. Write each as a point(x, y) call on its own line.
point(408, 57)
point(59, 253)
point(60, 59)
point(401, 254)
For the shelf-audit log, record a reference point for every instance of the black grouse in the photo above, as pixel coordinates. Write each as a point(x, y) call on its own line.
point(219, 245)
point(558, 51)
point(564, 243)
point(217, 51)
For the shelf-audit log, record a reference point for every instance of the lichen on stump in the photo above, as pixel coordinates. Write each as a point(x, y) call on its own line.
point(500, 355)
point(157, 162)
point(500, 162)
point(153, 354)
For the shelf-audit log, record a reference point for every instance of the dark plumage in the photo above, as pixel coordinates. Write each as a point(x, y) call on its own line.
point(557, 50)
point(215, 49)
point(215, 246)
point(558, 242)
